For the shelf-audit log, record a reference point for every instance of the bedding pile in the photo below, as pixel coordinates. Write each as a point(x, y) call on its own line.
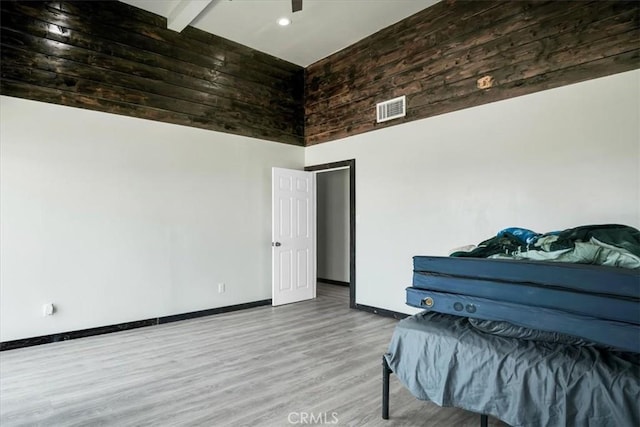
point(611, 244)
point(525, 284)
point(534, 329)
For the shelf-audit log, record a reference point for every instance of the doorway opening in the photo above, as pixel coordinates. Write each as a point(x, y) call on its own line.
point(350, 167)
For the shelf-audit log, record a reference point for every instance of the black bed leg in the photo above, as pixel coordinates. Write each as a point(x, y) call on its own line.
point(386, 372)
point(484, 420)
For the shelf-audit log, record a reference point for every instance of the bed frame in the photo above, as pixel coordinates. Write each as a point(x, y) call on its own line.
point(386, 374)
point(558, 298)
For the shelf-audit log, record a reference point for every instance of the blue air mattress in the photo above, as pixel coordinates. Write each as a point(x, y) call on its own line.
point(584, 278)
point(612, 307)
point(620, 335)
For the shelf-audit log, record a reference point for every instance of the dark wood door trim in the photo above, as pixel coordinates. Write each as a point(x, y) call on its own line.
point(351, 164)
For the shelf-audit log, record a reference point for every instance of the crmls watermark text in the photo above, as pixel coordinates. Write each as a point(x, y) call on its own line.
point(313, 418)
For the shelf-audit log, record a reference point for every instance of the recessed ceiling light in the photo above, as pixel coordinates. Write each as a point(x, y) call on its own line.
point(284, 22)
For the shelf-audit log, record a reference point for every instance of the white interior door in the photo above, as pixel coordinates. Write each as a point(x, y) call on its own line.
point(293, 236)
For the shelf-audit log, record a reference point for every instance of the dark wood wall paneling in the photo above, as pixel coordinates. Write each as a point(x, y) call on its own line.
point(108, 56)
point(436, 57)
point(112, 57)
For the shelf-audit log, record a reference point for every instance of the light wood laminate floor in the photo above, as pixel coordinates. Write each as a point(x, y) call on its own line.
point(258, 367)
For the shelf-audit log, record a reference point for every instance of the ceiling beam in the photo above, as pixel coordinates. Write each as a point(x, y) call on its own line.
point(184, 13)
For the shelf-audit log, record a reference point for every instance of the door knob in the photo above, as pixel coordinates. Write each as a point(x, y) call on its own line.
point(276, 244)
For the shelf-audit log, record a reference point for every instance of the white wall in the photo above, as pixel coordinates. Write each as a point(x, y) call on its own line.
point(550, 160)
point(333, 225)
point(115, 219)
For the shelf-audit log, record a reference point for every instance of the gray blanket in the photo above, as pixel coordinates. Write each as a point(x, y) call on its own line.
point(445, 360)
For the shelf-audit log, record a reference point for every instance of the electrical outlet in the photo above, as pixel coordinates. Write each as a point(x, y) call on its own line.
point(48, 309)
point(221, 288)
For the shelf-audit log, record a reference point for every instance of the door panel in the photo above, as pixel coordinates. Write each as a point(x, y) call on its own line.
point(303, 269)
point(285, 265)
point(293, 236)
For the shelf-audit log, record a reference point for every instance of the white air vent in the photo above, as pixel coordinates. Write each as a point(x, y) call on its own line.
point(391, 109)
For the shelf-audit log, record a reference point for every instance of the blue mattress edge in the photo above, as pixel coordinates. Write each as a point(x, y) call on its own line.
point(588, 304)
point(578, 277)
point(619, 335)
